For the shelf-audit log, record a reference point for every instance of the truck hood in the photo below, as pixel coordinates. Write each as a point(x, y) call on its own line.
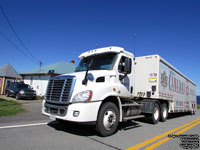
point(97, 80)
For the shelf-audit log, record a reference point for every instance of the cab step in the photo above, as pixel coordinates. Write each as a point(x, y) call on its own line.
point(131, 104)
point(133, 117)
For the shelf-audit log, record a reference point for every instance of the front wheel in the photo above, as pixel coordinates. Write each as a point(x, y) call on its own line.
point(17, 96)
point(33, 98)
point(108, 119)
point(7, 94)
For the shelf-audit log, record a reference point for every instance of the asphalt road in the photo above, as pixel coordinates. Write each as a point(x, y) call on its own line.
point(38, 132)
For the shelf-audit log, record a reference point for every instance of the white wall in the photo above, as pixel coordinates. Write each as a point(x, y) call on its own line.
point(39, 83)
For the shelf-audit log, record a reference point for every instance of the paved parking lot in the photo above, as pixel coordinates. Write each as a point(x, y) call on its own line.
point(33, 131)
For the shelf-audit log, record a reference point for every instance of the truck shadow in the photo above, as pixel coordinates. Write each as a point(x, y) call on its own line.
point(128, 125)
point(73, 128)
point(177, 115)
point(87, 130)
point(170, 116)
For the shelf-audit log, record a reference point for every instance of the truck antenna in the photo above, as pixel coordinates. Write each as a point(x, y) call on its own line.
point(134, 50)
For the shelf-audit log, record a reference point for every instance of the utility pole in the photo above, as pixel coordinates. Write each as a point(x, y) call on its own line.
point(134, 50)
point(40, 66)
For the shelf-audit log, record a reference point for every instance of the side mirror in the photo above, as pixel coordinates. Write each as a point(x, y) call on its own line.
point(127, 68)
point(128, 64)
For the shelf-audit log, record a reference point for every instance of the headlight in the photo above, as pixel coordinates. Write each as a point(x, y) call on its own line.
point(83, 96)
point(21, 92)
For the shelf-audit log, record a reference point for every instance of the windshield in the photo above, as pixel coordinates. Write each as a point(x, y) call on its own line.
point(23, 86)
point(98, 62)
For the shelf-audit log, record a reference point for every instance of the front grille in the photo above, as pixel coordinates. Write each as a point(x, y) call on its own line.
point(55, 109)
point(59, 89)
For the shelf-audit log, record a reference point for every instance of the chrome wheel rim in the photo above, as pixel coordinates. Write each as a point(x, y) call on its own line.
point(156, 113)
point(109, 119)
point(164, 112)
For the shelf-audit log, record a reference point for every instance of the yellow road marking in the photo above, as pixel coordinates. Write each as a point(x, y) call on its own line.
point(160, 136)
point(169, 138)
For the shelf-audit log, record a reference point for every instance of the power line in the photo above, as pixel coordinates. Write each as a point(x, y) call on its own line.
point(20, 50)
point(12, 28)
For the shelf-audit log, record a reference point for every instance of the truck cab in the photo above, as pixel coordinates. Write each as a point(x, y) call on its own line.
point(103, 75)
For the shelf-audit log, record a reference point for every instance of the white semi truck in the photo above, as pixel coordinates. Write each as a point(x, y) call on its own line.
point(110, 86)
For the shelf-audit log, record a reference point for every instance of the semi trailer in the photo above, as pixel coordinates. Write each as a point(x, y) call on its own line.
point(111, 85)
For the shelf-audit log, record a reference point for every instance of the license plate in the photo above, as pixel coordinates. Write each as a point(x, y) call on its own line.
point(52, 117)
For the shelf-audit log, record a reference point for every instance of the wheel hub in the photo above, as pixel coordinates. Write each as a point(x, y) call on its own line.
point(164, 112)
point(156, 113)
point(109, 120)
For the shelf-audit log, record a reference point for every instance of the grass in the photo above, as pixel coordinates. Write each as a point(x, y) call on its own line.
point(10, 108)
point(198, 106)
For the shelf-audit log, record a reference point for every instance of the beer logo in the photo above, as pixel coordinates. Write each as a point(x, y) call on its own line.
point(164, 79)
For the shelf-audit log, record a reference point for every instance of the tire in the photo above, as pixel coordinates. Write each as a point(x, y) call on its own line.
point(33, 98)
point(163, 112)
point(155, 116)
point(17, 96)
point(108, 119)
point(193, 111)
point(7, 94)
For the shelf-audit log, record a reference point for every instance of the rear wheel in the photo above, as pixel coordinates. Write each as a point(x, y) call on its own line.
point(108, 119)
point(163, 112)
point(193, 111)
point(155, 116)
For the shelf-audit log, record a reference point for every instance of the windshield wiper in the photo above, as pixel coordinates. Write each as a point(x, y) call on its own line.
point(85, 80)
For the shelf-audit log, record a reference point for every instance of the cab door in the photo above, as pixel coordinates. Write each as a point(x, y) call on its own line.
point(125, 70)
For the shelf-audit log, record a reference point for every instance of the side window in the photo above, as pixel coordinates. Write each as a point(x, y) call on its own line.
point(123, 65)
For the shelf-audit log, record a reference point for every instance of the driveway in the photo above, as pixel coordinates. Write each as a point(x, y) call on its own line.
point(32, 113)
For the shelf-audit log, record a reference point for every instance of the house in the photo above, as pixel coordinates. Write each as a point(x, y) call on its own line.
point(7, 74)
point(38, 78)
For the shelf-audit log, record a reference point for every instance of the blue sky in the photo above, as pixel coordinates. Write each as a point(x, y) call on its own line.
point(59, 30)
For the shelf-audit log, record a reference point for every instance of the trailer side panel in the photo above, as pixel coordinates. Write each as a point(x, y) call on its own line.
point(155, 78)
point(176, 87)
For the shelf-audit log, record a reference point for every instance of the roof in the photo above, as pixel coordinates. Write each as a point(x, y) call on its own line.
point(112, 49)
point(59, 68)
point(8, 71)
